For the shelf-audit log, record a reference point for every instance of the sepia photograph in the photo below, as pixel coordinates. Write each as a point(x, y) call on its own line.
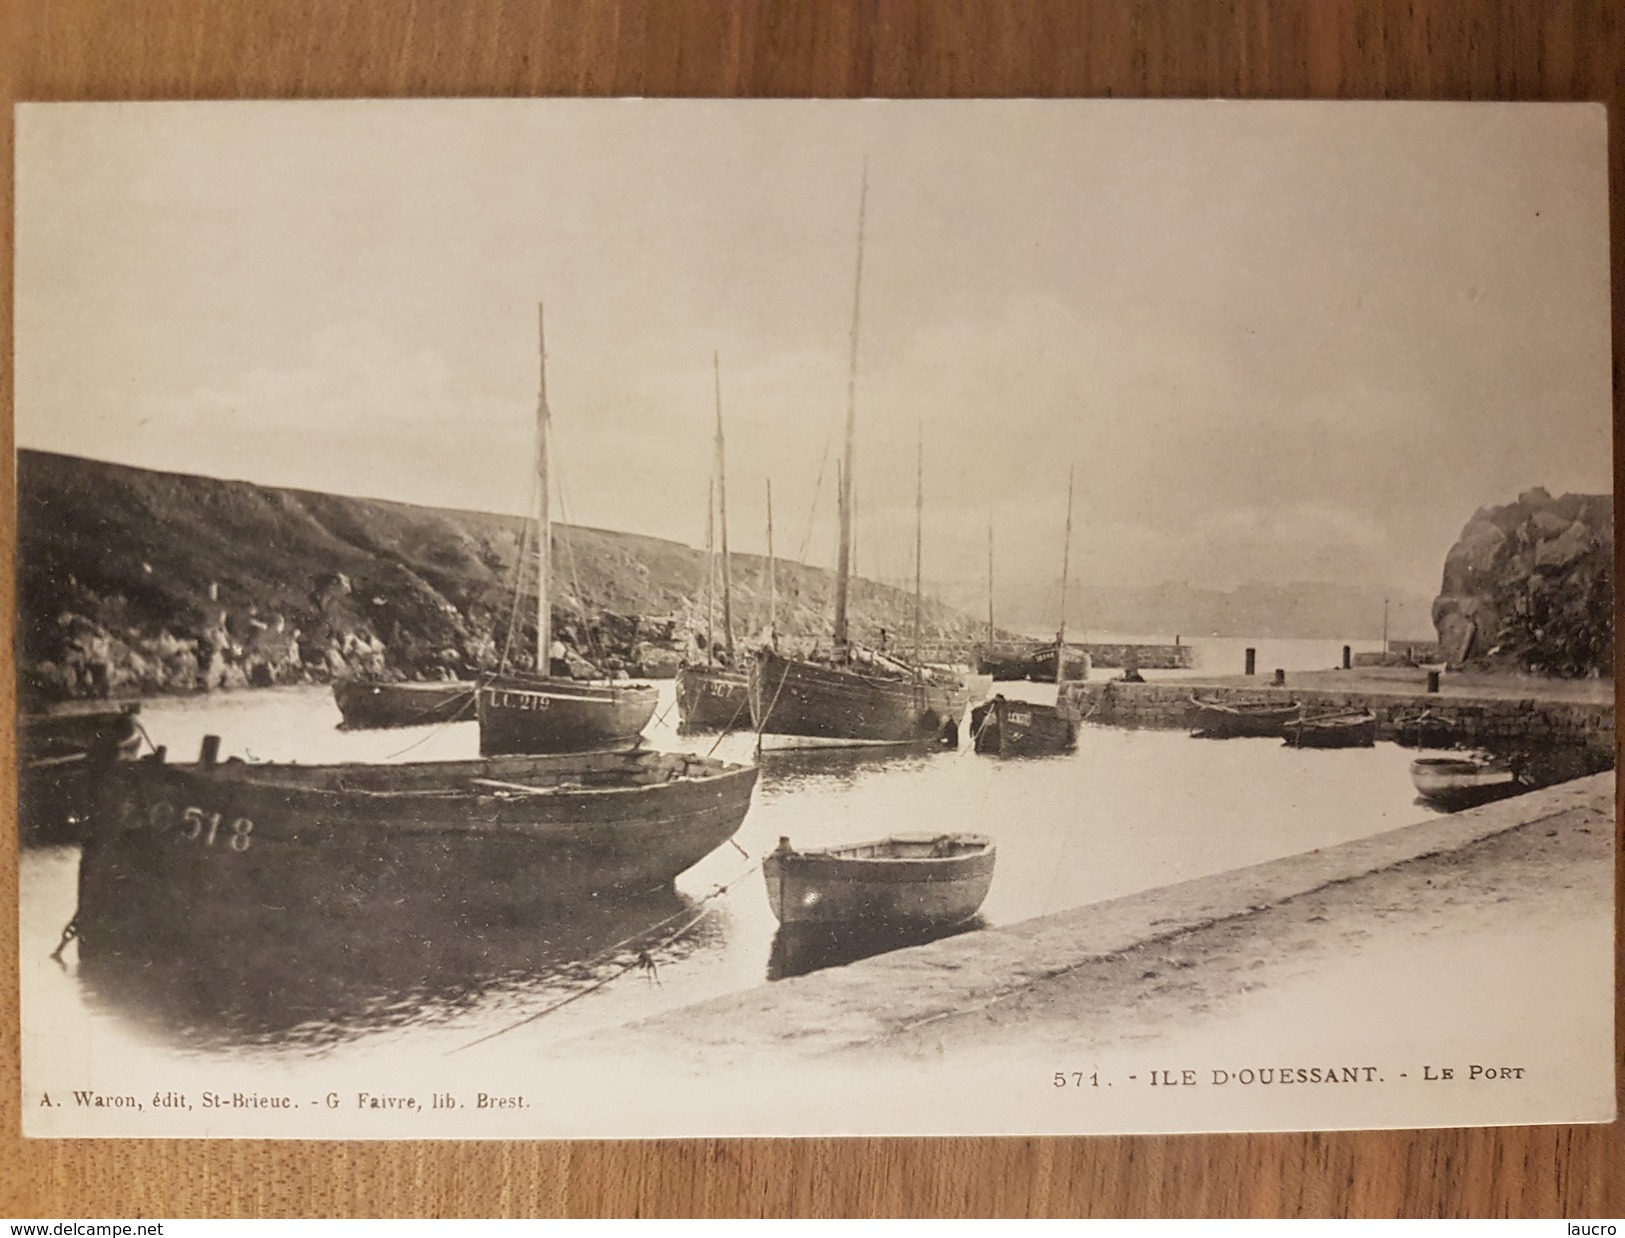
point(646, 618)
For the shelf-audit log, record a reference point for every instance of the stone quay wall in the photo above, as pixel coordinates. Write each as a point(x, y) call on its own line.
point(1146, 657)
point(1491, 721)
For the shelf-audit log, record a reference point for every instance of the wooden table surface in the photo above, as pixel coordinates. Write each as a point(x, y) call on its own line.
point(1393, 49)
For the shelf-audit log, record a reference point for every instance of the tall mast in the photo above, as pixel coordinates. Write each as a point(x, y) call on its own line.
point(772, 580)
point(710, 567)
point(919, 524)
point(843, 567)
point(543, 512)
point(990, 581)
point(1066, 557)
point(722, 515)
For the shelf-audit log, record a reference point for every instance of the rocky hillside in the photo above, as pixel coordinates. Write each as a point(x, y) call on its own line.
point(132, 581)
point(1530, 586)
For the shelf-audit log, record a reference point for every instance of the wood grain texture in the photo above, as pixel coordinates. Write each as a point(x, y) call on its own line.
point(1406, 49)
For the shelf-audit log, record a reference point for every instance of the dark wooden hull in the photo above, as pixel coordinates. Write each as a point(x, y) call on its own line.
point(535, 716)
point(1018, 729)
point(517, 836)
point(1041, 665)
point(54, 754)
point(851, 704)
point(1343, 731)
point(1003, 668)
point(712, 698)
point(910, 888)
point(367, 705)
point(1428, 730)
point(1214, 720)
point(1036, 665)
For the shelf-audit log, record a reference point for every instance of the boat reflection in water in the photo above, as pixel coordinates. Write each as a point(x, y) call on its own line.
point(802, 948)
point(1470, 779)
point(792, 769)
point(292, 981)
point(363, 883)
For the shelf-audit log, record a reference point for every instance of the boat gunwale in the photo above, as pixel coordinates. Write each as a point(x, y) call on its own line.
point(1344, 717)
point(1246, 709)
point(907, 678)
point(564, 688)
point(242, 775)
point(982, 845)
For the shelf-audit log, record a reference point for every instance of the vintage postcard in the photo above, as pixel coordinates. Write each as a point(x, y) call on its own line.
point(631, 618)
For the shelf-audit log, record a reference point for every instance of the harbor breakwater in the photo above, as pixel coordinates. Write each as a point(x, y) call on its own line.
point(1107, 655)
point(1178, 657)
point(1490, 720)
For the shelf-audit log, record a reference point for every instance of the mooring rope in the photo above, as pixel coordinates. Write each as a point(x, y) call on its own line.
point(723, 734)
point(473, 694)
point(767, 714)
point(644, 959)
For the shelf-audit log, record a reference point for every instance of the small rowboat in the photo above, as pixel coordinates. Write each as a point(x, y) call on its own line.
point(370, 705)
point(907, 879)
point(1219, 720)
point(1454, 783)
point(1353, 728)
point(1019, 729)
point(1428, 730)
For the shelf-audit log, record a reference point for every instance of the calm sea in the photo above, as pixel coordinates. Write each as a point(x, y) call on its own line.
point(1128, 811)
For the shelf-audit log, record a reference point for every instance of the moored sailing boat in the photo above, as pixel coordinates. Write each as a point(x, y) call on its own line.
point(712, 696)
point(1020, 728)
point(853, 695)
point(546, 712)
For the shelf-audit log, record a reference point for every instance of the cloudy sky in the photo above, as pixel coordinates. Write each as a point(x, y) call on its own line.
point(1277, 341)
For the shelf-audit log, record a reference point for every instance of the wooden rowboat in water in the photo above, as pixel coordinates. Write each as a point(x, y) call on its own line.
point(517, 836)
point(1352, 728)
point(1454, 783)
point(368, 704)
point(1222, 720)
point(907, 879)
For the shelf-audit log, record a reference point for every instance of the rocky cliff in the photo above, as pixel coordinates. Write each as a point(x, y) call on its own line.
point(1530, 586)
point(135, 581)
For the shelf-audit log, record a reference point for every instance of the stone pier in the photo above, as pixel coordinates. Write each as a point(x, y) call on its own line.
point(1486, 712)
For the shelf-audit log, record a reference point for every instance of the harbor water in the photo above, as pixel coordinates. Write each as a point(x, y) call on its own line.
point(1128, 811)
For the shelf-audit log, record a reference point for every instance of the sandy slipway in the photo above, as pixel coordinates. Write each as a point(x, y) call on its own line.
point(1546, 849)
